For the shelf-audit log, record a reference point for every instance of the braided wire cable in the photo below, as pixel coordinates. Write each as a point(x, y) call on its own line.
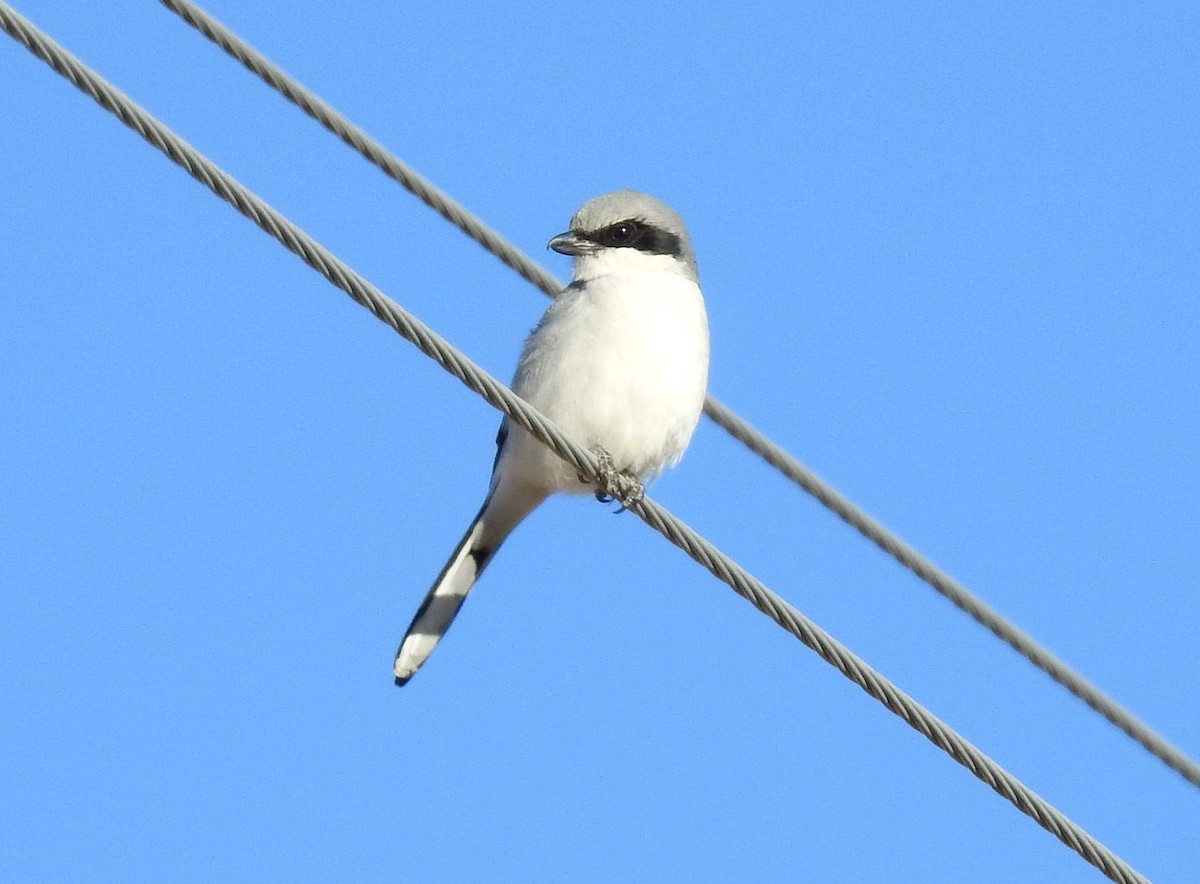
point(371, 150)
point(721, 414)
point(964, 599)
point(496, 393)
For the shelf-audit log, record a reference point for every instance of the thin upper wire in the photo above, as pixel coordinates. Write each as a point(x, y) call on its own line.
point(496, 393)
point(721, 414)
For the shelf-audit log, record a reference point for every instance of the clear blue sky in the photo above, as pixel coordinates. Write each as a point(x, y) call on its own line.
point(950, 256)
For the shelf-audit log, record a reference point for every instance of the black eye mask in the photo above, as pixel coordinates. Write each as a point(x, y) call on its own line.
point(638, 235)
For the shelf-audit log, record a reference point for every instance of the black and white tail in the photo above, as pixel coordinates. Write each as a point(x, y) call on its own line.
point(501, 513)
point(442, 602)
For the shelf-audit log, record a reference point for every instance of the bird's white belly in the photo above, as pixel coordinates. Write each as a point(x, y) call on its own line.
point(623, 364)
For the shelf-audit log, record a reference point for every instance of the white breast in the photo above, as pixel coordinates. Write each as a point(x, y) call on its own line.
point(620, 361)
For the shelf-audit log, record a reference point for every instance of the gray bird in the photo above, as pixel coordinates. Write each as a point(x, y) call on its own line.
point(619, 362)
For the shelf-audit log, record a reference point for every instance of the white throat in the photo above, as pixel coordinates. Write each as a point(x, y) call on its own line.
point(607, 262)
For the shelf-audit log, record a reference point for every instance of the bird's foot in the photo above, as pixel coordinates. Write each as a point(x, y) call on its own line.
point(616, 485)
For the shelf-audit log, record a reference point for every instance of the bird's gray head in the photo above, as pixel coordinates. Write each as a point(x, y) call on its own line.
point(626, 219)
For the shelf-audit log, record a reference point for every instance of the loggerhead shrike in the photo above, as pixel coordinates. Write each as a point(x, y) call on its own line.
point(619, 362)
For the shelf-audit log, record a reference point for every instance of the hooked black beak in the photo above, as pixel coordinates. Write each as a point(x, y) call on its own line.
point(571, 244)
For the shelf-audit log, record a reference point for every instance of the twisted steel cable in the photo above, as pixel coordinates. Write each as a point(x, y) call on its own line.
point(496, 393)
point(721, 414)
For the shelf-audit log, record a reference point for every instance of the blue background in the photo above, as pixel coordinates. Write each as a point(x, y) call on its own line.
point(950, 256)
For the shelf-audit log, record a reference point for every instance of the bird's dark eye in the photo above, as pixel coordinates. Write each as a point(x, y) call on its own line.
point(624, 234)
